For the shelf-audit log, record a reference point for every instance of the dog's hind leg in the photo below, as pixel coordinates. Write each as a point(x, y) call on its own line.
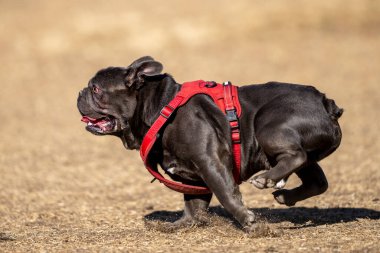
point(314, 182)
point(284, 145)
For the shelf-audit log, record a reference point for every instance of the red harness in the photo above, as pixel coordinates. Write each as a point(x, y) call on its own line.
point(226, 98)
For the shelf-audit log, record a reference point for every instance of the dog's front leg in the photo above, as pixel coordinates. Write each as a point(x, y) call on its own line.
point(195, 212)
point(220, 180)
point(200, 138)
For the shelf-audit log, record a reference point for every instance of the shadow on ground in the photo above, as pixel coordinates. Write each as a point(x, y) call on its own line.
point(299, 216)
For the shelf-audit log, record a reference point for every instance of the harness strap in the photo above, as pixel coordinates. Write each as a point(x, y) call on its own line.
point(230, 105)
point(235, 130)
point(148, 142)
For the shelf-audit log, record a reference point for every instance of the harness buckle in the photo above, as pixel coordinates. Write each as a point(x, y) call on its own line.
point(231, 115)
point(166, 111)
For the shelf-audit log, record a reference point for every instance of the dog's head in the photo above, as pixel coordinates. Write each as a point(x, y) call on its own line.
point(110, 99)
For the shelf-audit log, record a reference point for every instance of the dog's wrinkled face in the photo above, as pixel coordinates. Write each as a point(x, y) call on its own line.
point(110, 99)
point(100, 103)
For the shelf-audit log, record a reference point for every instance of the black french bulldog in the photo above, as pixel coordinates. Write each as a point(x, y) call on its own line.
point(285, 128)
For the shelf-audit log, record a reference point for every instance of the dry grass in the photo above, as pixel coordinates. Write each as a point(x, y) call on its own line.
point(62, 189)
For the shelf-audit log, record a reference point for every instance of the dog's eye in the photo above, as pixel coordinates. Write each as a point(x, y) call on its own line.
point(96, 89)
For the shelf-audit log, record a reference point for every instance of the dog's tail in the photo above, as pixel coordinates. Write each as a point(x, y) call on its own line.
point(332, 109)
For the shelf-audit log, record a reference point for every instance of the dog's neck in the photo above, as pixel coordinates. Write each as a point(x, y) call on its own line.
point(157, 92)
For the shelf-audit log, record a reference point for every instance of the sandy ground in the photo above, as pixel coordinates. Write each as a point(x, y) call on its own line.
point(63, 189)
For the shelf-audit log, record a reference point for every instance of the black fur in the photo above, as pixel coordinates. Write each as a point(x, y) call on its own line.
point(285, 129)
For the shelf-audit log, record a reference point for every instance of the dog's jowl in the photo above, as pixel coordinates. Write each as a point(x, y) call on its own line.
point(284, 129)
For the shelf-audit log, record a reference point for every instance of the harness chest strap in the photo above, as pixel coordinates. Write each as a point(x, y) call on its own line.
point(226, 97)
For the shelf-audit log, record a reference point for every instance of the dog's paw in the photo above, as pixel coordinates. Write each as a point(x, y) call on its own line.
point(249, 221)
point(261, 182)
point(280, 184)
point(283, 197)
point(257, 227)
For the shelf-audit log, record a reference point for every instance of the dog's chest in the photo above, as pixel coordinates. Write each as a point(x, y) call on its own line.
point(176, 168)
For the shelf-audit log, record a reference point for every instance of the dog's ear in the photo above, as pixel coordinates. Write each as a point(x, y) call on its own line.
point(142, 67)
point(142, 59)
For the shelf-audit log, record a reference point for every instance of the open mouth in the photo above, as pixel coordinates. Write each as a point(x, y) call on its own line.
point(101, 125)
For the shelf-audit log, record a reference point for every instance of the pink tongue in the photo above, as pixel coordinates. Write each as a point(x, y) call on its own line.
point(99, 122)
point(88, 119)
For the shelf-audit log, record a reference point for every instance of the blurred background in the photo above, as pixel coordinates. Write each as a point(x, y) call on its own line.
point(53, 172)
